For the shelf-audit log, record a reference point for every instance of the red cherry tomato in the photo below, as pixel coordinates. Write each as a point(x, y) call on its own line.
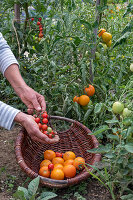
point(45, 132)
point(45, 120)
point(39, 19)
point(51, 135)
point(38, 23)
point(32, 19)
point(51, 166)
point(37, 120)
point(40, 26)
point(58, 154)
point(40, 29)
point(45, 115)
point(44, 127)
point(52, 132)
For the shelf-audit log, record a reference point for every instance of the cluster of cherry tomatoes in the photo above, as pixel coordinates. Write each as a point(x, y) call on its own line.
point(84, 100)
point(59, 166)
point(40, 26)
point(42, 121)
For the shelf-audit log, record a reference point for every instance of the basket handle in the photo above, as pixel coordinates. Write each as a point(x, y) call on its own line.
point(61, 118)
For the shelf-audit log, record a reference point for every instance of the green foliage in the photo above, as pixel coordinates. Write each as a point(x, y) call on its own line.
point(32, 192)
point(58, 67)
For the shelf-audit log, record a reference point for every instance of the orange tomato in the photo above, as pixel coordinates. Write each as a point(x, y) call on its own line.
point(84, 100)
point(101, 31)
point(69, 171)
point(49, 154)
point(69, 155)
point(45, 163)
point(109, 43)
point(89, 90)
point(58, 160)
point(76, 99)
point(106, 37)
point(57, 174)
point(69, 162)
point(40, 35)
point(44, 171)
point(79, 163)
point(58, 166)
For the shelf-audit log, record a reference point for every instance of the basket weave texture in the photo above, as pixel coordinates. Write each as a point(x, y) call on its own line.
point(76, 138)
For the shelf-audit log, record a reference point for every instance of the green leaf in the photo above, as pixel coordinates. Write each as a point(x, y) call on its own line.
point(113, 137)
point(128, 27)
point(33, 186)
point(47, 196)
point(113, 121)
point(88, 112)
point(129, 9)
point(83, 71)
point(101, 149)
point(129, 147)
point(87, 24)
point(19, 195)
point(98, 108)
point(101, 129)
point(127, 197)
point(25, 191)
point(122, 39)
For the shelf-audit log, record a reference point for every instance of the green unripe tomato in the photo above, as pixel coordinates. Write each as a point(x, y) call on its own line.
point(97, 54)
point(131, 67)
point(127, 122)
point(126, 112)
point(104, 46)
point(87, 106)
point(49, 129)
point(117, 107)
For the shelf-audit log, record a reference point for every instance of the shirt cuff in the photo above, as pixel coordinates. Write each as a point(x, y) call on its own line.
point(7, 115)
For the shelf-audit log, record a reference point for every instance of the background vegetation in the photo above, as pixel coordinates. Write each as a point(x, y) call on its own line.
point(70, 56)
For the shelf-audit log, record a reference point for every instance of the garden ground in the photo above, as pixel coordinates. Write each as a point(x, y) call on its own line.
point(11, 176)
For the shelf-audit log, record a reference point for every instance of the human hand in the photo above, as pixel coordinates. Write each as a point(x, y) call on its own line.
point(28, 122)
point(32, 99)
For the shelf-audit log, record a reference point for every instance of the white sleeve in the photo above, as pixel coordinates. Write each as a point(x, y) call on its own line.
point(7, 58)
point(7, 115)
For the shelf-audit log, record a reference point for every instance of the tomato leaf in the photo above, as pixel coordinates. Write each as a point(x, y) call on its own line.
point(101, 149)
point(100, 130)
point(129, 147)
point(47, 196)
point(98, 108)
point(122, 39)
point(33, 186)
point(113, 121)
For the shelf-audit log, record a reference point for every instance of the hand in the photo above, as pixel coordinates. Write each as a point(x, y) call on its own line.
point(28, 122)
point(32, 99)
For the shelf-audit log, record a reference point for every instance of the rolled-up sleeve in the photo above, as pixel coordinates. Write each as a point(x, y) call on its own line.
point(7, 58)
point(7, 115)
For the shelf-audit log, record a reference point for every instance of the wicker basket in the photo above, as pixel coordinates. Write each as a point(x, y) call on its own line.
point(76, 138)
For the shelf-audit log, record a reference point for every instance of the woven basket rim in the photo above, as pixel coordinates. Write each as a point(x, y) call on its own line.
point(47, 181)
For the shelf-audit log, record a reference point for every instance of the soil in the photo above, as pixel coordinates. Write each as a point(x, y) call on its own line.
point(11, 175)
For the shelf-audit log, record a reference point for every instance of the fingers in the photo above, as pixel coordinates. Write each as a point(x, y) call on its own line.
point(40, 137)
point(37, 103)
point(30, 111)
point(41, 101)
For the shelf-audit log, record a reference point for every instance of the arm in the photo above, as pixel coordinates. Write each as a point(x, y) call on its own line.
point(10, 115)
point(30, 98)
point(9, 68)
